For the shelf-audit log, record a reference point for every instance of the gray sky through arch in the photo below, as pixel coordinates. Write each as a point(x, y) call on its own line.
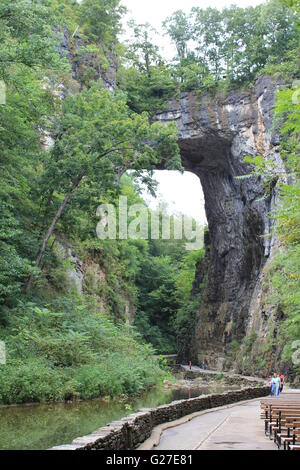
point(182, 192)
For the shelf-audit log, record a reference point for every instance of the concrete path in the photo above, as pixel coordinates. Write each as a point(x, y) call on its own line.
point(198, 369)
point(236, 427)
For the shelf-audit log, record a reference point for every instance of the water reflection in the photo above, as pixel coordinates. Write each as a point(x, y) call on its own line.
point(43, 426)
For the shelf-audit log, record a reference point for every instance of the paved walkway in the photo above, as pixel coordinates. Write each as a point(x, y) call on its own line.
point(236, 427)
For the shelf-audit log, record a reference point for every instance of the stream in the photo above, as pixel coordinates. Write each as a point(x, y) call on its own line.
point(41, 426)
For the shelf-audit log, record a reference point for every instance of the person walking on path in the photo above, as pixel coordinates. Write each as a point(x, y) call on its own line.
point(275, 385)
point(270, 384)
point(282, 378)
point(190, 365)
point(278, 381)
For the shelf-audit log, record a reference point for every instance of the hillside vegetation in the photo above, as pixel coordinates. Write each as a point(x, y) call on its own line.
point(57, 60)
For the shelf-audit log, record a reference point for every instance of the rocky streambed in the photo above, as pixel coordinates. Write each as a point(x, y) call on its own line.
point(195, 383)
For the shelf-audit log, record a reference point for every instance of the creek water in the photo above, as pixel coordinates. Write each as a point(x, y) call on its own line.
point(42, 426)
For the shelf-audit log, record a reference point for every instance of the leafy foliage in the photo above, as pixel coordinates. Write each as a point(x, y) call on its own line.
point(101, 20)
point(144, 76)
point(66, 349)
point(58, 353)
point(283, 273)
point(233, 45)
point(28, 54)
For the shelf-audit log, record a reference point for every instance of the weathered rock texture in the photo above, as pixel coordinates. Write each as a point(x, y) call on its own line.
point(215, 133)
point(131, 431)
point(83, 62)
point(89, 277)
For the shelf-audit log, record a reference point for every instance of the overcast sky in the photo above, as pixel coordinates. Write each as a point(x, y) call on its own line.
point(156, 11)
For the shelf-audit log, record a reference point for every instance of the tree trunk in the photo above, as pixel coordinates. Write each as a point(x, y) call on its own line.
point(51, 229)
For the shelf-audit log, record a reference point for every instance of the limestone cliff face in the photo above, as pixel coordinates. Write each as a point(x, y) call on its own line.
point(90, 277)
point(74, 49)
point(215, 133)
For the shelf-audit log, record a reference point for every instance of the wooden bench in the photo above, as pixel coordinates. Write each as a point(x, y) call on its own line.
point(282, 420)
point(284, 431)
point(292, 437)
point(272, 412)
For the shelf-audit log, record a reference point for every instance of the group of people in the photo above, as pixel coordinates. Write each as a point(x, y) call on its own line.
point(203, 365)
point(276, 384)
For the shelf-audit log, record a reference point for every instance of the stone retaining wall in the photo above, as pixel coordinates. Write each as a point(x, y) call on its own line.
point(131, 431)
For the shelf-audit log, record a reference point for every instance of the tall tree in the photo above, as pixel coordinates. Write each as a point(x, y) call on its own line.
point(142, 52)
point(178, 27)
point(97, 137)
point(29, 61)
point(101, 20)
point(208, 31)
point(144, 76)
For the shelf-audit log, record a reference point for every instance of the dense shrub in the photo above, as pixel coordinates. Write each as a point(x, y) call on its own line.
point(60, 355)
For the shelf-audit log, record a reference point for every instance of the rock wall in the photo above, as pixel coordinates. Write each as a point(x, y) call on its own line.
point(75, 274)
point(215, 134)
point(131, 431)
point(89, 277)
point(75, 50)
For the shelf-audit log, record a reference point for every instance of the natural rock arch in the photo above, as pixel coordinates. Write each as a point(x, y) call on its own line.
point(214, 136)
